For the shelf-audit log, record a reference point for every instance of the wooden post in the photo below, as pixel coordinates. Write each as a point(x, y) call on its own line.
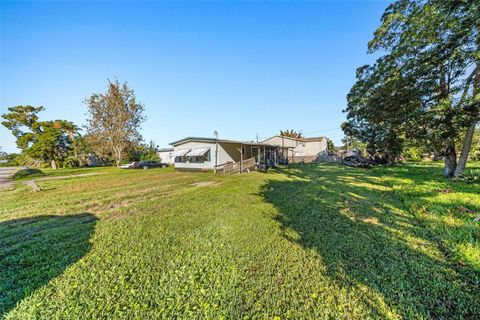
point(216, 151)
point(32, 184)
point(241, 158)
point(264, 157)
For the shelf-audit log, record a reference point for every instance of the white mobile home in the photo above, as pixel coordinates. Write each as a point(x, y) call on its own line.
point(196, 153)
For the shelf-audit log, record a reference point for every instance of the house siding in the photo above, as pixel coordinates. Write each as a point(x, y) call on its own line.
point(226, 153)
point(166, 156)
point(300, 148)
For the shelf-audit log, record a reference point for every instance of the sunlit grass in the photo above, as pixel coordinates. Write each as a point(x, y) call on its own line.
point(319, 241)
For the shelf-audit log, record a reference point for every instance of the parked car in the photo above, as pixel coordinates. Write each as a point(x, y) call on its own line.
point(133, 165)
point(144, 164)
point(152, 164)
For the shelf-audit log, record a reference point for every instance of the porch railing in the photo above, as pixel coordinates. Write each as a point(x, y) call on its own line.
point(236, 167)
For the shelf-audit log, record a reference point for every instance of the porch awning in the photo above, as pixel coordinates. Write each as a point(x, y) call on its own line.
point(180, 152)
point(197, 152)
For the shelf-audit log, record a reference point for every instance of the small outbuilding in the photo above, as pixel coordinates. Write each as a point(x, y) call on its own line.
point(165, 155)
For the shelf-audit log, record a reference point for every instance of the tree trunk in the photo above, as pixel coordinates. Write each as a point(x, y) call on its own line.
point(450, 158)
point(118, 155)
point(467, 142)
point(449, 153)
point(53, 163)
point(467, 145)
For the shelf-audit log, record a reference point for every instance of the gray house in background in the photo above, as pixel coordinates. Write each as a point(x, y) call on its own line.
point(298, 149)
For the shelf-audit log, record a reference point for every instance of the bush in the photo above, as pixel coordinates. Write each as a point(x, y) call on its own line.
point(470, 176)
point(70, 162)
point(475, 154)
point(413, 154)
point(27, 173)
point(9, 160)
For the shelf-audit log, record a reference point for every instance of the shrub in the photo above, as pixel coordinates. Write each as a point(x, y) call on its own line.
point(413, 154)
point(470, 176)
point(27, 173)
point(70, 162)
point(9, 160)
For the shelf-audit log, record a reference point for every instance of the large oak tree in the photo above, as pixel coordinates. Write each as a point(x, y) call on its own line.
point(48, 141)
point(433, 47)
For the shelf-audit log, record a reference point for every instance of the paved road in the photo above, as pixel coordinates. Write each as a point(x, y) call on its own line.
point(6, 175)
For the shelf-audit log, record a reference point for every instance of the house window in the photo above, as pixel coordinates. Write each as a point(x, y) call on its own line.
point(200, 159)
point(181, 159)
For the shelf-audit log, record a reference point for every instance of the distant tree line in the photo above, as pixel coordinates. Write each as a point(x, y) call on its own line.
point(112, 133)
point(423, 93)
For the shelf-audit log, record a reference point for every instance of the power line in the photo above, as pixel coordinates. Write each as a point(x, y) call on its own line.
point(325, 130)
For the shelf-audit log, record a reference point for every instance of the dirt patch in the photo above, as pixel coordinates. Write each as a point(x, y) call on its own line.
point(444, 191)
point(205, 184)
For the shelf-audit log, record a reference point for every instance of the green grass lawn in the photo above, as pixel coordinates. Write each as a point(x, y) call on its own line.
point(319, 241)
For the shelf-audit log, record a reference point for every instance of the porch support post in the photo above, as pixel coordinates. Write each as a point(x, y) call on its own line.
point(264, 157)
point(241, 158)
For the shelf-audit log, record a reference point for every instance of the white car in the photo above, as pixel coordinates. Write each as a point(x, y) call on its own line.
point(133, 165)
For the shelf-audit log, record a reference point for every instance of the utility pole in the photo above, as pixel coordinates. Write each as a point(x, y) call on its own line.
point(215, 133)
point(257, 137)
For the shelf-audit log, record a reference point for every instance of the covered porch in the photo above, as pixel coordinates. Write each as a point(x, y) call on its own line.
point(249, 156)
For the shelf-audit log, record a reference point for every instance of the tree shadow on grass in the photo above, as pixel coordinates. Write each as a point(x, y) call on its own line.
point(366, 237)
point(35, 250)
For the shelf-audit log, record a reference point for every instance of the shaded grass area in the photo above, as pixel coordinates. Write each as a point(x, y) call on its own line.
point(320, 241)
point(35, 250)
point(30, 173)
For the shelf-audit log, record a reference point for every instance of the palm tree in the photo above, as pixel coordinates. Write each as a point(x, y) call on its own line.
point(291, 133)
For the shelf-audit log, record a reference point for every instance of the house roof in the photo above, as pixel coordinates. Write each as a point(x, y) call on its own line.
point(165, 150)
point(188, 139)
point(313, 139)
point(310, 139)
point(213, 140)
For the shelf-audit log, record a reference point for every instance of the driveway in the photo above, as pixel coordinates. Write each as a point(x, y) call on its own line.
point(6, 177)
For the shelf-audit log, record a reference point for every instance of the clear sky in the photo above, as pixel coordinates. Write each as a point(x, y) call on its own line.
point(240, 68)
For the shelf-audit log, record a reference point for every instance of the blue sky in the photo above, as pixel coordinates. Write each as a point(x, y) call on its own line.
point(240, 68)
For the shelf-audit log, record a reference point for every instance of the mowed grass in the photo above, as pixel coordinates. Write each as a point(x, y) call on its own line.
point(319, 241)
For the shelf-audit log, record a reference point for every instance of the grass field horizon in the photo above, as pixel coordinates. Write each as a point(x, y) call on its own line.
point(318, 241)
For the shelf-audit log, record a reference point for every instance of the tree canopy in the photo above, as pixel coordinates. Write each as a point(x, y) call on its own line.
point(291, 133)
point(48, 141)
point(425, 87)
point(114, 119)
